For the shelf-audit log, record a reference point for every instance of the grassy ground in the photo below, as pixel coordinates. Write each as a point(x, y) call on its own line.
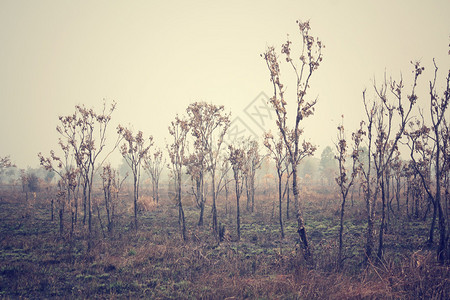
point(36, 262)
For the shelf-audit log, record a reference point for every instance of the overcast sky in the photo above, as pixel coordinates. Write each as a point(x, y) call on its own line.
point(156, 57)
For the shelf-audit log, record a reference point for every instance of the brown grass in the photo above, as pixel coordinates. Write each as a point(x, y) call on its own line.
point(35, 262)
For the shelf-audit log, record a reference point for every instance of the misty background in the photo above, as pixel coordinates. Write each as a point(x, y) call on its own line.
point(154, 58)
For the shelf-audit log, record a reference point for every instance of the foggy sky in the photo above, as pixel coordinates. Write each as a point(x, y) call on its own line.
point(155, 57)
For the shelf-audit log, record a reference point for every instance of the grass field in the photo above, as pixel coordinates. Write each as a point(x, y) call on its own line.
point(36, 262)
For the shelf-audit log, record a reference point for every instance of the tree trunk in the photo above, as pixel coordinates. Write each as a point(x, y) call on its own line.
point(288, 201)
point(76, 205)
point(202, 209)
point(100, 221)
point(369, 237)
point(181, 217)
point(214, 208)
point(157, 190)
point(300, 223)
point(397, 194)
point(201, 197)
point(443, 247)
point(252, 191)
point(280, 202)
point(383, 219)
point(135, 196)
point(341, 230)
point(247, 190)
point(388, 206)
point(407, 198)
point(52, 204)
point(433, 223)
point(61, 219)
point(238, 211)
point(85, 213)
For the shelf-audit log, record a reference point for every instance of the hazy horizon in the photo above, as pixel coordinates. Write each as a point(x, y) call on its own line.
point(154, 59)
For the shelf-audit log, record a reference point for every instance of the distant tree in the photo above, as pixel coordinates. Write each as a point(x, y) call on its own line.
point(196, 168)
point(124, 169)
point(344, 179)
point(49, 176)
point(327, 164)
point(178, 129)
point(24, 180)
point(208, 124)
point(134, 150)
point(63, 166)
point(5, 162)
point(111, 184)
point(154, 164)
point(278, 153)
point(237, 160)
point(253, 161)
point(83, 136)
point(393, 185)
point(310, 59)
point(33, 182)
point(307, 170)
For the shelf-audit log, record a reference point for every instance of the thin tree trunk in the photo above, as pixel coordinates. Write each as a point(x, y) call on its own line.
point(214, 208)
point(407, 198)
point(430, 241)
point(383, 219)
point(100, 221)
point(300, 223)
point(157, 190)
point(52, 204)
point(280, 203)
point(369, 237)
point(238, 211)
point(61, 219)
point(443, 247)
point(288, 199)
point(180, 209)
point(248, 193)
point(135, 196)
point(202, 209)
point(341, 230)
point(85, 213)
point(397, 194)
point(252, 191)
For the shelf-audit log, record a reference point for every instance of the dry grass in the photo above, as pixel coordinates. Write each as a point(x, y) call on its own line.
point(155, 263)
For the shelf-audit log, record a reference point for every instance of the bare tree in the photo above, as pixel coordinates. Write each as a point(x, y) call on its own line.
point(208, 124)
point(154, 164)
point(178, 129)
point(436, 135)
point(83, 139)
point(382, 139)
point(253, 163)
point(66, 183)
point(278, 154)
point(134, 151)
point(237, 160)
point(344, 181)
point(310, 59)
point(112, 185)
point(5, 163)
point(196, 168)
